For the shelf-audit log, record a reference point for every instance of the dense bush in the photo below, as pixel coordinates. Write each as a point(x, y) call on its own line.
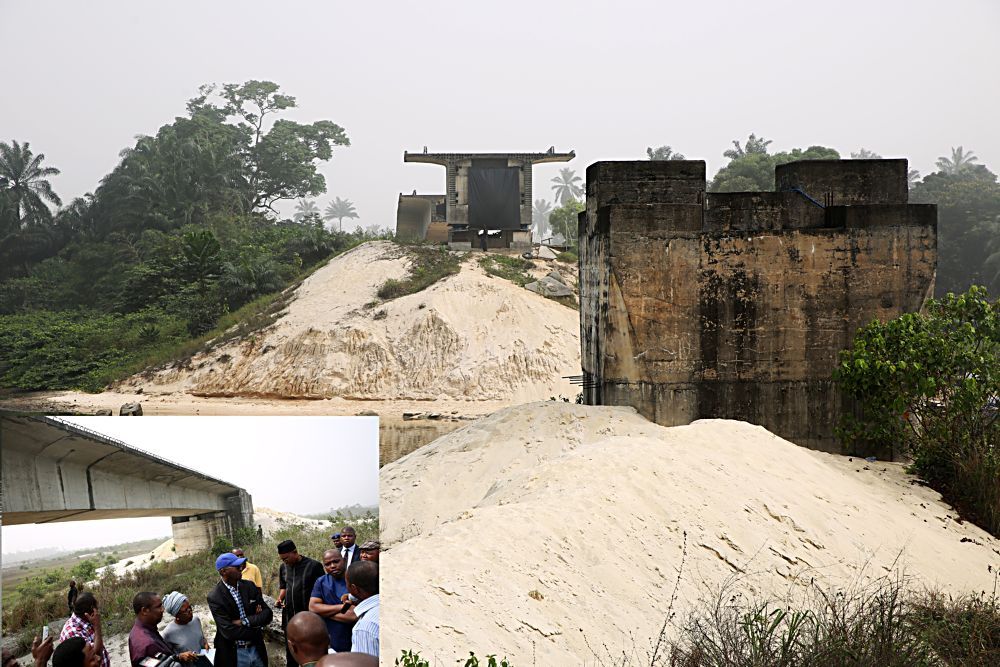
point(928, 386)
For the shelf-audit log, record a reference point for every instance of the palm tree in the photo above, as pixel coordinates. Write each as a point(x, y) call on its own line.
point(540, 216)
point(340, 209)
point(912, 176)
point(865, 154)
point(958, 162)
point(303, 209)
point(24, 178)
point(663, 153)
point(565, 186)
point(753, 145)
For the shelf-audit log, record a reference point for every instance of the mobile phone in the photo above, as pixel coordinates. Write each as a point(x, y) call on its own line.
point(45, 632)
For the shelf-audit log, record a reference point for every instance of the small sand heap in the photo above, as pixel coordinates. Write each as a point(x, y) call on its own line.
point(568, 525)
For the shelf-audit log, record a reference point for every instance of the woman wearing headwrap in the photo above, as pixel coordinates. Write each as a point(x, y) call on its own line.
point(184, 632)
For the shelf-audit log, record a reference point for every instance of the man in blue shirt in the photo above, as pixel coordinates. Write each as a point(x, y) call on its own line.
point(329, 600)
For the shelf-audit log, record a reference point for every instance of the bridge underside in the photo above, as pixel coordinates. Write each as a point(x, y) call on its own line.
point(55, 471)
point(55, 516)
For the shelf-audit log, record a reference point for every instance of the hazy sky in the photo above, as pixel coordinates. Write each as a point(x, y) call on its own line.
point(905, 78)
point(302, 465)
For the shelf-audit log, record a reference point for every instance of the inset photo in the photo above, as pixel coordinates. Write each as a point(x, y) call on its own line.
point(190, 541)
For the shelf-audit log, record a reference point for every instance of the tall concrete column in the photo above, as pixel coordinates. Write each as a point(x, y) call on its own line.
point(451, 192)
point(197, 533)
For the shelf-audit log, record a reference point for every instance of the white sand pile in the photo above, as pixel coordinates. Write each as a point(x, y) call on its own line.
point(468, 337)
point(545, 527)
point(162, 553)
point(271, 521)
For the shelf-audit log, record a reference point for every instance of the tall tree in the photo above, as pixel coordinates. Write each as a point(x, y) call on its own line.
point(959, 161)
point(280, 161)
point(865, 154)
point(566, 189)
point(24, 179)
point(305, 208)
point(339, 209)
point(540, 216)
point(663, 153)
point(753, 146)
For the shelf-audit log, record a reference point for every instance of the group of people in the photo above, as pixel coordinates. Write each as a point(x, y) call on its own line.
point(330, 615)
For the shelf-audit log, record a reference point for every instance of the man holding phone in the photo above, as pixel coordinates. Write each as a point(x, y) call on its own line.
point(86, 623)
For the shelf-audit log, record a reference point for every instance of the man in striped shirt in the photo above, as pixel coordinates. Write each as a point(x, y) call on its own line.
point(86, 623)
point(362, 583)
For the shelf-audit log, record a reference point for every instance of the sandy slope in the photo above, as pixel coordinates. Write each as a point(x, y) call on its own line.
point(589, 510)
point(470, 337)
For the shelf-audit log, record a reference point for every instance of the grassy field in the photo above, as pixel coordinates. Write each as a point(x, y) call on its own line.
point(14, 574)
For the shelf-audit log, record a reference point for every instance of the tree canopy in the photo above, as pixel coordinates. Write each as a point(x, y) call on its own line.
point(24, 187)
point(751, 167)
point(565, 186)
point(663, 153)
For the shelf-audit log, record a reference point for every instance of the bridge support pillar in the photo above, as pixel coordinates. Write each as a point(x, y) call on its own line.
point(199, 532)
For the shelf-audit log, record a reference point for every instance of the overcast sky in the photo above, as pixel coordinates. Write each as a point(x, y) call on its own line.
point(905, 78)
point(301, 465)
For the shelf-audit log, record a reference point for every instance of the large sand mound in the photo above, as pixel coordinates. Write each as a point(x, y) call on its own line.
point(467, 337)
point(566, 527)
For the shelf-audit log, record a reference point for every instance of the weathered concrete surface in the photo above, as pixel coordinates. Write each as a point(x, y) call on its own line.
point(736, 305)
point(56, 471)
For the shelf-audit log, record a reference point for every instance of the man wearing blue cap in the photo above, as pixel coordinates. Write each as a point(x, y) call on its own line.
point(240, 612)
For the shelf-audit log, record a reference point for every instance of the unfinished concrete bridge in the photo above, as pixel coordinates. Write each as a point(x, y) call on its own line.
point(57, 471)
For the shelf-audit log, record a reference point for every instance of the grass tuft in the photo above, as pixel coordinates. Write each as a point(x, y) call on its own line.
point(428, 264)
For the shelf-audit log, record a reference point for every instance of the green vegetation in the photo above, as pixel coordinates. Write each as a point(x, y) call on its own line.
point(663, 153)
point(181, 235)
point(568, 256)
point(42, 599)
point(413, 659)
point(428, 264)
point(751, 167)
point(968, 199)
point(930, 384)
point(880, 624)
point(565, 220)
point(513, 269)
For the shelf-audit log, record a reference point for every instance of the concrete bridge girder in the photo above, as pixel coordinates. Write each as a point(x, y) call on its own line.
point(56, 471)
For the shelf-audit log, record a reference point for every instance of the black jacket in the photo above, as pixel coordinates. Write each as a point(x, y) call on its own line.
point(225, 611)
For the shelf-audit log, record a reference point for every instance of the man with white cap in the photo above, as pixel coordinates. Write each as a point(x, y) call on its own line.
point(184, 633)
point(240, 612)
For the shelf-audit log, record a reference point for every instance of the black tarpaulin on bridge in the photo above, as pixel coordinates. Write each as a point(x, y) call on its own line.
point(494, 198)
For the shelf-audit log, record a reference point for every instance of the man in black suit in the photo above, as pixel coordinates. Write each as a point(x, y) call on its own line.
point(349, 550)
point(240, 612)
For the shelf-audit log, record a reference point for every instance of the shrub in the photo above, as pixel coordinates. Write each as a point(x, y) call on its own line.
point(513, 269)
point(428, 264)
point(929, 384)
